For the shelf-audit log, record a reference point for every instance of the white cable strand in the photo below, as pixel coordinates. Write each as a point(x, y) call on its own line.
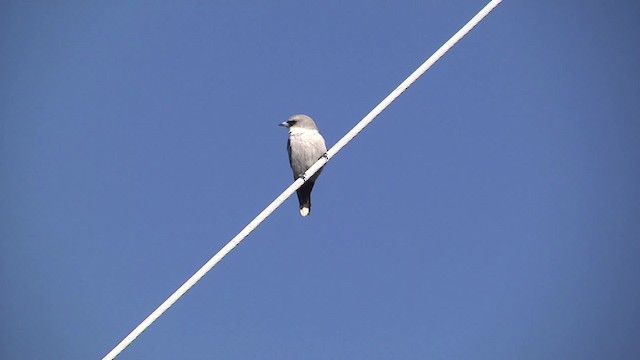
point(296, 184)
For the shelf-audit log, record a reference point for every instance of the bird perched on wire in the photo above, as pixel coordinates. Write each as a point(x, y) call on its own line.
point(305, 146)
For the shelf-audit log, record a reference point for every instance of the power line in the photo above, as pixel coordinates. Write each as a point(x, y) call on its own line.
point(296, 184)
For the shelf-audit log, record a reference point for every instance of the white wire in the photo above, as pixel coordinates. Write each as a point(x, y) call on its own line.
point(296, 184)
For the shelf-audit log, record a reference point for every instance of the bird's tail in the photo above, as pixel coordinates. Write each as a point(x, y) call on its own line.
point(304, 198)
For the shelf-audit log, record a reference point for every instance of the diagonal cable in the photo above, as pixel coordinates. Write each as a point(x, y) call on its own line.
point(296, 184)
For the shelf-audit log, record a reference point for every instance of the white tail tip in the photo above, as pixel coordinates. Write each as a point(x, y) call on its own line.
point(304, 211)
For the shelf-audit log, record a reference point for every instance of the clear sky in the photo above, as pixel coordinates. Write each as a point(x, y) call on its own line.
point(492, 212)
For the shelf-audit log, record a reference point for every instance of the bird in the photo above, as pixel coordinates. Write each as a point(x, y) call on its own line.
point(305, 146)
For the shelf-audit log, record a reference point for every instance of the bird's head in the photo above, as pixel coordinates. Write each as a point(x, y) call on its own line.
point(300, 122)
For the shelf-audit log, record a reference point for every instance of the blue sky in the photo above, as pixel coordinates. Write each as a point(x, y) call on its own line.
point(492, 212)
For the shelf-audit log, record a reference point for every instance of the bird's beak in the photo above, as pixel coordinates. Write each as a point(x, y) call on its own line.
point(285, 124)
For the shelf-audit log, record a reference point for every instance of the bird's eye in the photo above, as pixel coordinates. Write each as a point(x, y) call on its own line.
point(291, 122)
